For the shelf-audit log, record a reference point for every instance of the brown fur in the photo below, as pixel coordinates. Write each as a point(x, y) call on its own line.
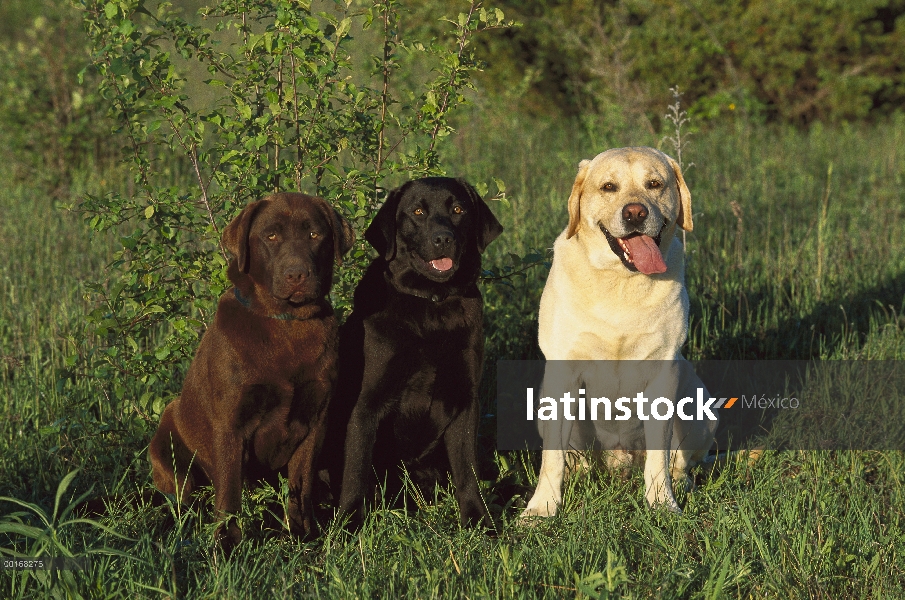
point(255, 398)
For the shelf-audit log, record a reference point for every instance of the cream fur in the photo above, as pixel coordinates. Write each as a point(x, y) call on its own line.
point(593, 308)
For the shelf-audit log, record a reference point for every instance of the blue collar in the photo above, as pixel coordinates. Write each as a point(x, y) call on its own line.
point(246, 302)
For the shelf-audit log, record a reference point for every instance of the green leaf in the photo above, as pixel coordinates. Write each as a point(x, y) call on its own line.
point(32, 507)
point(120, 67)
point(343, 28)
point(20, 529)
point(149, 211)
point(61, 489)
point(244, 110)
point(103, 528)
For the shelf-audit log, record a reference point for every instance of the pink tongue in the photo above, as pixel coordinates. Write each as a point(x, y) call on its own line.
point(444, 264)
point(645, 254)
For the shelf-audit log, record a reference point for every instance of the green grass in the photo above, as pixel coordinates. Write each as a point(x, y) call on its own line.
point(779, 281)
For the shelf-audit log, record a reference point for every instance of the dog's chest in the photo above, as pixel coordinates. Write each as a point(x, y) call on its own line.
point(433, 351)
point(287, 350)
point(590, 314)
point(426, 325)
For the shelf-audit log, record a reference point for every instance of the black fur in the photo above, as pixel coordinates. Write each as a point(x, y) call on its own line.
point(412, 349)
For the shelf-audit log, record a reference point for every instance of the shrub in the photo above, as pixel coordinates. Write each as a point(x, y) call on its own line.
point(291, 109)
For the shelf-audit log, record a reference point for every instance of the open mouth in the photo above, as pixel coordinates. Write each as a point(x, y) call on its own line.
point(638, 252)
point(440, 265)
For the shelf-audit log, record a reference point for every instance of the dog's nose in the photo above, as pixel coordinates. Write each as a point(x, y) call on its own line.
point(634, 213)
point(443, 238)
point(296, 275)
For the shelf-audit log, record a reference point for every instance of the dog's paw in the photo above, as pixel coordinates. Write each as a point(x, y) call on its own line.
point(301, 523)
point(227, 536)
point(546, 509)
point(660, 497)
point(673, 507)
point(665, 503)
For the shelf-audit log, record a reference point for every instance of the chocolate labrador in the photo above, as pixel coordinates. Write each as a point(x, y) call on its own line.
point(411, 351)
point(255, 398)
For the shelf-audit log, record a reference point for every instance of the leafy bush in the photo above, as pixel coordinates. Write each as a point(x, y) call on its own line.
point(291, 109)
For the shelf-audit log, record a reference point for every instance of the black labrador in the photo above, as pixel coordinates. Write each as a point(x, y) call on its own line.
point(411, 351)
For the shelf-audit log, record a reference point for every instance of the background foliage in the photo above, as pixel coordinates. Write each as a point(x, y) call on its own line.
point(52, 122)
point(793, 62)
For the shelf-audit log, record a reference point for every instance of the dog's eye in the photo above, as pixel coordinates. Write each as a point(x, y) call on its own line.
point(458, 209)
point(271, 236)
point(653, 184)
point(419, 212)
point(314, 235)
point(609, 186)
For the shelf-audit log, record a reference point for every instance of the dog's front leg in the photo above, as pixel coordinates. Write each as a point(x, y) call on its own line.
point(361, 434)
point(301, 477)
point(658, 437)
point(460, 439)
point(558, 378)
point(657, 478)
point(548, 494)
point(227, 481)
point(360, 437)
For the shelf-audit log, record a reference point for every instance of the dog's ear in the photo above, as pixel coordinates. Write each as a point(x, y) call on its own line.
point(343, 234)
point(488, 227)
point(684, 220)
point(235, 236)
point(575, 198)
point(381, 233)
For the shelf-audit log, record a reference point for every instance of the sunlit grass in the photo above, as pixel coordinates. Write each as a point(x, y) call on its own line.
point(772, 279)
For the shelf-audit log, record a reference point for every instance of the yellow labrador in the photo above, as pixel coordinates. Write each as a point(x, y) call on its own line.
point(616, 292)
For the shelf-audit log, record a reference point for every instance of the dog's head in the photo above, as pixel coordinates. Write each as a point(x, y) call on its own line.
point(286, 245)
point(433, 229)
point(625, 205)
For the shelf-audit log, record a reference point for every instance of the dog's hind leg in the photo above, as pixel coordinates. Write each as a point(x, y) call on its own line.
point(171, 472)
point(226, 475)
point(679, 464)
